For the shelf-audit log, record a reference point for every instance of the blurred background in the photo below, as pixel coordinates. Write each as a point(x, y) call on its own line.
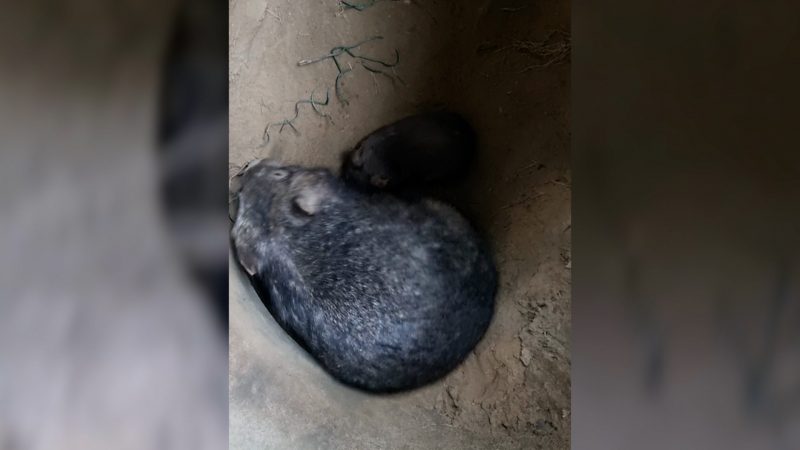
point(113, 268)
point(686, 312)
point(193, 145)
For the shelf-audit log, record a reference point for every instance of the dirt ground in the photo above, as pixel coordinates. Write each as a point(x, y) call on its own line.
point(505, 65)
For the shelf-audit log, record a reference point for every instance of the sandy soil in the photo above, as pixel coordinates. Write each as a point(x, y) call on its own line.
point(505, 65)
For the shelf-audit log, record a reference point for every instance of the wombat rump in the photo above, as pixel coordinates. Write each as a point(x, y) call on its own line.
point(386, 294)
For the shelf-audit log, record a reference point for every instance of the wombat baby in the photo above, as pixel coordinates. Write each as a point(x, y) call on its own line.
point(387, 295)
point(419, 150)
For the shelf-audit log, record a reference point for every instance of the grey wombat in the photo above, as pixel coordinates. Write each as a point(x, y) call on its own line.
point(387, 295)
point(417, 151)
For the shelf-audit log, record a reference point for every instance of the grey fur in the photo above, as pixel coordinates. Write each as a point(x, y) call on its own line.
point(386, 294)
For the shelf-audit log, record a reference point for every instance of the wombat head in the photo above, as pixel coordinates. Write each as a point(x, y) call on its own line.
point(367, 166)
point(272, 198)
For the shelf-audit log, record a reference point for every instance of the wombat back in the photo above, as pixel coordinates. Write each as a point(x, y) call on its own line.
point(385, 294)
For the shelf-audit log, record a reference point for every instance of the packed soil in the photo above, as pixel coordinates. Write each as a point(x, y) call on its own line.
point(505, 66)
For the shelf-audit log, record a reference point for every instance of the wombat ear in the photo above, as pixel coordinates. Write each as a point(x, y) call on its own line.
point(248, 259)
point(248, 250)
point(357, 157)
point(309, 200)
point(309, 192)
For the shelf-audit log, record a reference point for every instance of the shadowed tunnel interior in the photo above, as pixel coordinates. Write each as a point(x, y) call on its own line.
point(505, 67)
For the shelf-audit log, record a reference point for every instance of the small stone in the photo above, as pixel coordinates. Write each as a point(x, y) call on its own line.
point(525, 356)
point(543, 427)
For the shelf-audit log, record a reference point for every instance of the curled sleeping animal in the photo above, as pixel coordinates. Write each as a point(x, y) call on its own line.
point(384, 293)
